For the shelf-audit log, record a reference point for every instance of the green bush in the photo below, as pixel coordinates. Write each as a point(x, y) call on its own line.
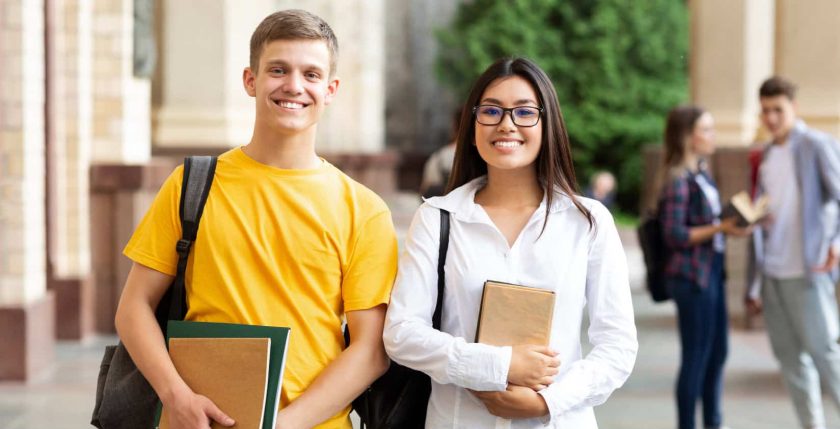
point(618, 67)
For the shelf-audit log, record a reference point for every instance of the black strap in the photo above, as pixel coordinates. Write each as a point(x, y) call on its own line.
point(443, 247)
point(198, 177)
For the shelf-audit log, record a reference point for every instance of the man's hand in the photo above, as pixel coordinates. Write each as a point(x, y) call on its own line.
point(188, 410)
point(517, 402)
point(753, 306)
point(830, 261)
point(532, 366)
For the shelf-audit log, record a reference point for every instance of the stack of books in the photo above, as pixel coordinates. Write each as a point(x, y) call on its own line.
point(238, 367)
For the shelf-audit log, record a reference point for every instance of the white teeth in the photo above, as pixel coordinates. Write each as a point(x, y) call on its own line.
point(290, 105)
point(507, 144)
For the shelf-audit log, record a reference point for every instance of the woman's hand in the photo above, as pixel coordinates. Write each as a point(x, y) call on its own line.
point(516, 402)
point(532, 366)
point(729, 226)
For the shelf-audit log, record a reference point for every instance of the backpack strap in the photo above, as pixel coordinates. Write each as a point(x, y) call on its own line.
point(198, 177)
point(442, 249)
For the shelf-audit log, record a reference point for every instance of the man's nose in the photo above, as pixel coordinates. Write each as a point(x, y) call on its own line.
point(293, 84)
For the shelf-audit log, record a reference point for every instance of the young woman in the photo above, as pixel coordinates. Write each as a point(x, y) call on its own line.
point(515, 218)
point(689, 209)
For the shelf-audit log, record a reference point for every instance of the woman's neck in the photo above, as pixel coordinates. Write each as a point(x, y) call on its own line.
point(512, 189)
point(691, 162)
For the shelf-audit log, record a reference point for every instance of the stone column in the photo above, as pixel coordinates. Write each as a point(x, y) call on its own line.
point(808, 53)
point(26, 307)
point(731, 54)
point(70, 118)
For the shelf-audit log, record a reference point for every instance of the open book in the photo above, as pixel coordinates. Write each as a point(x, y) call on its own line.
point(241, 376)
point(742, 206)
point(511, 315)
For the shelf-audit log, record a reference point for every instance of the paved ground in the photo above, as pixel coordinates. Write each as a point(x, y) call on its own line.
point(754, 398)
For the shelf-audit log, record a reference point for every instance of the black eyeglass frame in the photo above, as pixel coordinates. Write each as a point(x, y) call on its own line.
point(506, 110)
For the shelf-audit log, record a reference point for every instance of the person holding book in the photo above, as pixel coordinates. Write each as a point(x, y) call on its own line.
point(286, 239)
point(689, 211)
point(515, 218)
point(793, 269)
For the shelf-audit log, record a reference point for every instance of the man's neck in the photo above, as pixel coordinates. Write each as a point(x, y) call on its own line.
point(292, 152)
point(782, 139)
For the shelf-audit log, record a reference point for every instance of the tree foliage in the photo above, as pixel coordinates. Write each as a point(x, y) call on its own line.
point(618, 66)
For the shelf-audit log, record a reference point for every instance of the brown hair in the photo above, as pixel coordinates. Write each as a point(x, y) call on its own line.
point(554, 161)
point(292, 24)
point(776, 86)
point(678, 126)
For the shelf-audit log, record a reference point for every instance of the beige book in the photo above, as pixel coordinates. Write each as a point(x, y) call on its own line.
point(748, 212)
point(511, 315)
point(232, 372)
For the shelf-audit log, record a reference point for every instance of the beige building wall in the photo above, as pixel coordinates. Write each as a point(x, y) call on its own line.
point(808, 52)
point(121, 102)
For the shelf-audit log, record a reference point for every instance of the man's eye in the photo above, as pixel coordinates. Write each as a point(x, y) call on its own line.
point(312, 75)
point(276, 70)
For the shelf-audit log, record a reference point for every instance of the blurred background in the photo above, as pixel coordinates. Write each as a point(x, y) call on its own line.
point(100, 99)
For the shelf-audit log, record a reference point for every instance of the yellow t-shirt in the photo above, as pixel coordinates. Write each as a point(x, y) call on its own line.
point(276, 247)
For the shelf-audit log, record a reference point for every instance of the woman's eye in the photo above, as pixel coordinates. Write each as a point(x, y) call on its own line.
point(491, 111)
point(524, 113)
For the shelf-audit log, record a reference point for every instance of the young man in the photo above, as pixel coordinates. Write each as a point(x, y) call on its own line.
point(286, 239)
point(796, 252)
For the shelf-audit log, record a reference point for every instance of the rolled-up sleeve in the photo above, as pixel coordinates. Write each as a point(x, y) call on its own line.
point(612, 332)
point(409, 337)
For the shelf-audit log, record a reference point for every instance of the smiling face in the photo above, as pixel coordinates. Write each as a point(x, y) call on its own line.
point(292, 86)
point(507, 146)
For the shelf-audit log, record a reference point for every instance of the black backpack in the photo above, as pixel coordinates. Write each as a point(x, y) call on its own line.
point(124, 399)
point(399, 398)
point(656, 256)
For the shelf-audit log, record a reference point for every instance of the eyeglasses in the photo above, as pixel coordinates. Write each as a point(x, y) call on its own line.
point(489, 114)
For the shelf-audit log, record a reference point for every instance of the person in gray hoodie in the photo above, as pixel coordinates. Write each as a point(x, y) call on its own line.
point(793, 264)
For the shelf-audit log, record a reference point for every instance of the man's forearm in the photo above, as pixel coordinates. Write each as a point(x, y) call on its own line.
point(139, 332)
point(338, 384)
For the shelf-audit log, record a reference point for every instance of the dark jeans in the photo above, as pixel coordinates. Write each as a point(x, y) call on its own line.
point(704, 337)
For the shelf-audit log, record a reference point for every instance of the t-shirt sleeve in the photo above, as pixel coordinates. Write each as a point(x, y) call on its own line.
point(372, 265)
point(153, 242)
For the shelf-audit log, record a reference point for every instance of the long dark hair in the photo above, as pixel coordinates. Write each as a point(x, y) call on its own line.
point(679, 125)
point(554, 161)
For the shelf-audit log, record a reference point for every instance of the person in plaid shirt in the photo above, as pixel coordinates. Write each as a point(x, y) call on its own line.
point(689, 209)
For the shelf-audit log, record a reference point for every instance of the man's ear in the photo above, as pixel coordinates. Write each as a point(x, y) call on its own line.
point(332, 88)
point(249, 82)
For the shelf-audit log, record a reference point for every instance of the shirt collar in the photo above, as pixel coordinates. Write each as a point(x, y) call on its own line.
point(461, 201)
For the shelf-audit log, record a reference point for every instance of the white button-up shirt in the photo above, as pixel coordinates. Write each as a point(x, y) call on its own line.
point(585, 267)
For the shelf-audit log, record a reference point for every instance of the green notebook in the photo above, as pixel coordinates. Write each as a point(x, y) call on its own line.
point(277, 355)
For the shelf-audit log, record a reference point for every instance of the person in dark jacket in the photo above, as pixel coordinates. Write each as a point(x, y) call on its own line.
point(690, 209)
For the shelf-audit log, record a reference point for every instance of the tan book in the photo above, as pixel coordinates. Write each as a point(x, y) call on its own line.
point(231, 372)
point(747, 211)
point(511, 315)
